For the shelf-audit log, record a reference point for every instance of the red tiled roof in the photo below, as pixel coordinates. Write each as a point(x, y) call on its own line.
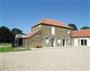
point(32, 33)
point(53, 23)
point(81, 33)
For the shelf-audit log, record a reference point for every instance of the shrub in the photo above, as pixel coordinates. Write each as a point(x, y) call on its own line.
point(39, 46)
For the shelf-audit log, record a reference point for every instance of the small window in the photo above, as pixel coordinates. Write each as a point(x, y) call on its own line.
point(81, 42)
point(39, 26)
point(84, 42)
point(59, 41)
point(46, 40)
point(53, 30)
point(68, 31)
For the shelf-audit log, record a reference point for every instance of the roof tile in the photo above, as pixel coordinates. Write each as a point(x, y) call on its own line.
point(53, 22)
point(81, 33)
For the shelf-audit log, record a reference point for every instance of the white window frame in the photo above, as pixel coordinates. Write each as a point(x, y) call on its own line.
point(53, 30)
point(46, 40)
point(59, 41)
point(83, 42)
point(39, 26)
point(68, 31)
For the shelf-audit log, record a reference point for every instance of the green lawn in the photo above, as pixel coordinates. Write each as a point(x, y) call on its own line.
point(9, 49)
point(5, 47)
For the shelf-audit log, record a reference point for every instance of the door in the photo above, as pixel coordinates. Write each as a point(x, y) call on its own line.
point(63, 42)
point(53, 42)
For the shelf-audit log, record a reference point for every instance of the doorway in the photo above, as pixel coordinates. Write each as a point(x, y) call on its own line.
point(53, 42)
point(63, 42)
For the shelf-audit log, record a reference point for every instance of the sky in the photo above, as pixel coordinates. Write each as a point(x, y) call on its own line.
point(23, 14)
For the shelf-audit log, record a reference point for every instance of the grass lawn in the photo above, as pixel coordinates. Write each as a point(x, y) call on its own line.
point(9, 49)
point(5, 47)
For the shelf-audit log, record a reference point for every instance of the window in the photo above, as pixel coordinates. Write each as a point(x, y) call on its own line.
point(53, 30)
point(68, 31)
point(46, 40)
point(59, 41)
point(84, 42)
point(39, 26)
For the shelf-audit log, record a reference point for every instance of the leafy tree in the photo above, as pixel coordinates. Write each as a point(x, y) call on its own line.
point(74, 27)
point(85, 27)
point(5, 35)
point(16, 31)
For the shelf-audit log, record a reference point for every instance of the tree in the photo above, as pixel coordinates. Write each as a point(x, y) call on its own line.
point(74, 27)
point(85, 27)
point(5, 35)
point(16, 31)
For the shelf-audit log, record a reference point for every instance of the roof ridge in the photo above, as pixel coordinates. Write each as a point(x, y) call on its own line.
point(53, 22)
point(80, 30)
point(81, 33)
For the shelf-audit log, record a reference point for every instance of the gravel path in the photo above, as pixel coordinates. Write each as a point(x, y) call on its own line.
point(46, 59)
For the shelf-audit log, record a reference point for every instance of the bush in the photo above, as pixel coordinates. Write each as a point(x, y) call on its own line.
point(39, 46)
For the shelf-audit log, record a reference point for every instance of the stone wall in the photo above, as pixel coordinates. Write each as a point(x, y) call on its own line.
point(34, 41)
point(40, 38)
point(60, 34)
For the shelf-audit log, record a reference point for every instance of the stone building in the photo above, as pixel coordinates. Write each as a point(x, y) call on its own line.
point(53, 33)
point(49, 33)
